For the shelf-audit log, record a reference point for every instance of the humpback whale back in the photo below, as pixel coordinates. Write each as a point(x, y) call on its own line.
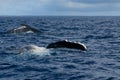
point(67, 44)
point(23, 29)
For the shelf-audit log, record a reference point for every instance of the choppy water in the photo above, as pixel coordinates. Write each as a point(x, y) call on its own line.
point(100, 34)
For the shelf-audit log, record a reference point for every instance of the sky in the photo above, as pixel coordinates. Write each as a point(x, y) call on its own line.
point(60, 7)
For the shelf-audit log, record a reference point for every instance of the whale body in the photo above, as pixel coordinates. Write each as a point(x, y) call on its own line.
point(59, 44)
point(23, 29)
point(34, 49)
point(67, 44)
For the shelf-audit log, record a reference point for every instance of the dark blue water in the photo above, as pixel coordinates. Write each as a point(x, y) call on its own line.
point(101, 61)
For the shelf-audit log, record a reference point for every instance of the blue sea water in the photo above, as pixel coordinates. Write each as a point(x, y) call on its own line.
point(101, 61)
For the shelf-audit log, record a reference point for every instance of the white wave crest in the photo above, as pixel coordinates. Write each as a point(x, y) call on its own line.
point(33, 49)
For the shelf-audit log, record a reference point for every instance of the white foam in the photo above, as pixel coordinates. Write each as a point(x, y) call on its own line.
point(33, 49)
point(29, 32)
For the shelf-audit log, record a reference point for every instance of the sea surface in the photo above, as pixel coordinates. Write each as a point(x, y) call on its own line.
point(100, 34)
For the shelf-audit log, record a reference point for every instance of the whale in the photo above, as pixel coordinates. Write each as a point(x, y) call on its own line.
point(24, 28)
point(59, 44)
point(34, 49)
point(67, 44)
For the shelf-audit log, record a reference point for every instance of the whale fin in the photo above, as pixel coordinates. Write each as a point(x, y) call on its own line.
point(67, 44)
point(23, 29)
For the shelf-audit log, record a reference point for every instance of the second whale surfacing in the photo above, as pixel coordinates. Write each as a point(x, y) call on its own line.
point(68, 44)
point(23, 29)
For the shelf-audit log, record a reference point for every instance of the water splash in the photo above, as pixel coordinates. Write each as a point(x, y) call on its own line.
point(34, 50)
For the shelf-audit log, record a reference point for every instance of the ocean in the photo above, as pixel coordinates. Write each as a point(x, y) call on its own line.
point(101, 61)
